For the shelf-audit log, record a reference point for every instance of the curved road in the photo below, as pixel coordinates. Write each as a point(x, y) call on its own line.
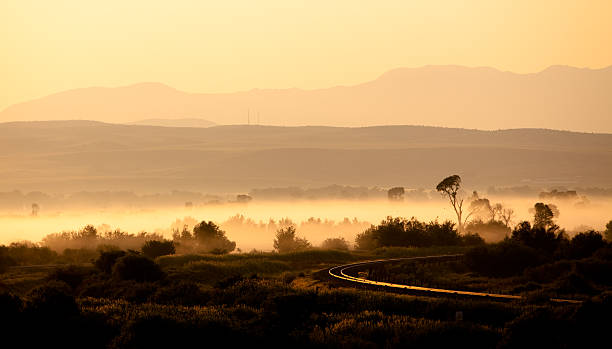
point(341, 273)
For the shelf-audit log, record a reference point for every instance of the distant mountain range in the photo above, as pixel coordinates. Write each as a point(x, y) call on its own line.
point(72, 156)
point(559, 97)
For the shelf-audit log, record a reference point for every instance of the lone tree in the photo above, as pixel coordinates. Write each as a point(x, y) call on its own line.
point(287, 241)
point(35, 209)
point(449, 187)
point(212, 239)
point(543, 215)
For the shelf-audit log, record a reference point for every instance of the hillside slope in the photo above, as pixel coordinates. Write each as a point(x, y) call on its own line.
point(67, 156)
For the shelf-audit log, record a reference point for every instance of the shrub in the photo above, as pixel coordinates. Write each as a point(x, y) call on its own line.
point(335, 244)
point(472, 239)
point(137, 268)
point(585, 244)
point(52, 300)
point(155, 248)
point(107, 260)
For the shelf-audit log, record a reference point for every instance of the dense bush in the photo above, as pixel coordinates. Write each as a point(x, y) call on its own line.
point(335, 244)
point(137, 268)
point(107, 260)
point(408, 233)
point(503, 259)
point(585, 244)
point(156, 248)
point(53, 300)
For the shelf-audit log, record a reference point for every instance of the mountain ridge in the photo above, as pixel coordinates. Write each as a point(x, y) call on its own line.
point(558, 97)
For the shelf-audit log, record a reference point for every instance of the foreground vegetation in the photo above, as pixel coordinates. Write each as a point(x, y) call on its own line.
point(108, 297)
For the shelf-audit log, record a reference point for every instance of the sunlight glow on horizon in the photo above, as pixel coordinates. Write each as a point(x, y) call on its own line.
point(233, 45)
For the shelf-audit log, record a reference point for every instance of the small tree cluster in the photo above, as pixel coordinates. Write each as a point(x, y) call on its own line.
point(206, 237)
point(287, 241)
point(410, 233)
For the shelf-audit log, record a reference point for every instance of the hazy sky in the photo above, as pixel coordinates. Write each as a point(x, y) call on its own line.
point(227, 45)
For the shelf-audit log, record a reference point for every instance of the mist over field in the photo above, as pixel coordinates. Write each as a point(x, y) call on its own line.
point(84, 172)
point(316, 220)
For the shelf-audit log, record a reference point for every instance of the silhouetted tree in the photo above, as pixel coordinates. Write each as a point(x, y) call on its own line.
point(543, 215)
point(541, 238)
point(608, 231)
point(506, 216)
point(480, 208)
point(287, 241)
point(449, 187)
point(211, 238)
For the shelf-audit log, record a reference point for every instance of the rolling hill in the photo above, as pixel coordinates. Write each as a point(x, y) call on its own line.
point(69, 156)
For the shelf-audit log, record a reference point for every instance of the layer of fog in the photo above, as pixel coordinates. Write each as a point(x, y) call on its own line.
point(249, 224)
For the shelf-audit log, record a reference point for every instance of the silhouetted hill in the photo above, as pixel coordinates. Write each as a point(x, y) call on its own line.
point(452, 96)
point(83, 155)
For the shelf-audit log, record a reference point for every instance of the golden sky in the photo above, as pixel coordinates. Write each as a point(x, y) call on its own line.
point(48, 46)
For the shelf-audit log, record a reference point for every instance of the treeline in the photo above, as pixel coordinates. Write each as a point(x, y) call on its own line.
point(19, 201)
